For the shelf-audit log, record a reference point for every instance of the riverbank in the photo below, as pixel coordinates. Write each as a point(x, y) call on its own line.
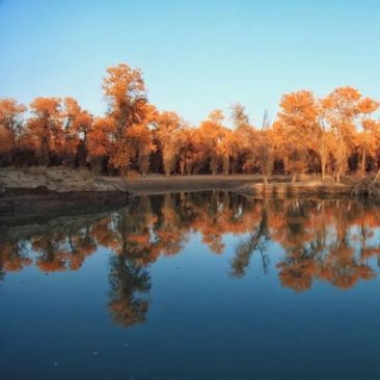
point(37, 190)
point(64, 181)
point(61, 180)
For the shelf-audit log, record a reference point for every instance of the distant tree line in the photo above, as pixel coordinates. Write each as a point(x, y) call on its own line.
point(334, 135)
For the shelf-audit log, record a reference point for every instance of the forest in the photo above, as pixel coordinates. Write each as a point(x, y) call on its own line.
point(332, 136)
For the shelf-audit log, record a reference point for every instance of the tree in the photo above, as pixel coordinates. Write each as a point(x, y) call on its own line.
point(325, 138)
point(128, 106)
point(297, 124)
point(212, 133)
point(45, 128)
point(366, 142)
point(140, 140)
point(167, 129)
point(345, 109)
point(368, 136)
point(77, 125)
point(10, 126)
point(100, 142)
point(244, 139)
point(240, 117)
point(265, 152)
point(190, 154)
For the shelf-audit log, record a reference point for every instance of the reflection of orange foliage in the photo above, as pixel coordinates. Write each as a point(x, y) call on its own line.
point(125, 313)
point(103, 233)
point(327, 240)
point(76, 262)
point(15, 265)
point(345, 277)
point(139, 239)
point(56, 265)
point(11, 258)
point(298, 274)
point(365, 272)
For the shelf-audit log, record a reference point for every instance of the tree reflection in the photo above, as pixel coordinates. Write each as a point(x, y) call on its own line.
point(256, 242)
point(13, 256)
point(298, 267)
point(331, 241)
point(323, 246)
point(129, 281)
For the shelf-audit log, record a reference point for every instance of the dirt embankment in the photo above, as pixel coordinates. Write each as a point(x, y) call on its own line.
point(40, 189)
point(63, 180)
point(52, 179)
point(28, 192)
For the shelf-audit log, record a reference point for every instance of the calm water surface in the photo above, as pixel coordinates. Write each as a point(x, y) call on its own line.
point(194, 286)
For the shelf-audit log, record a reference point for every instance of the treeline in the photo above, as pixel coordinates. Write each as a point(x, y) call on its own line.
point(334, 135)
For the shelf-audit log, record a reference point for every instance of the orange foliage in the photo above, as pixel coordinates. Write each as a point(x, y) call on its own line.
point(10, 124)
point(297, 129)
point(45, 127)
point(328, 135)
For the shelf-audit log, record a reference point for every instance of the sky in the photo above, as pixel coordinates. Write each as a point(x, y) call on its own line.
point(195, 55)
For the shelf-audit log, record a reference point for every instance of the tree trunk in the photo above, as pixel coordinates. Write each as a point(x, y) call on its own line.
point(323, 167)
point(362, 164)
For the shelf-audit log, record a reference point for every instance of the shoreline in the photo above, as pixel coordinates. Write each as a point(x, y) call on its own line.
point(298, 189)
point(47, 191)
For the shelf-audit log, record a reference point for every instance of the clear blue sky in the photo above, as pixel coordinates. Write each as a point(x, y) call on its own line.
point(196, 55)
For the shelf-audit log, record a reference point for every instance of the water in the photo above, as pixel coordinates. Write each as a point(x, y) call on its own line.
point(194, 286)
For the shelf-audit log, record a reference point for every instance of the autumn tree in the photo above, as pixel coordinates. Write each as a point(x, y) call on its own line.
point(264, 145)
point(325, 140)
point(240, 117)
point(366, 142)
point(245, 156)
point(346, 109)
point(190, 153)
point(76, 125)
point(369, 132)
point(213, 133)
point(241, 142)
point(100, 143)
point(168, 126)
point(45, 128)
point(297, 125)
point(141, 142)
point(128, 106)
point(11, 114)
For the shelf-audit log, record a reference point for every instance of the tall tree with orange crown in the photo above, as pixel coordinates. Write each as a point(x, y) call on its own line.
point(346, 108)
point(297, 124)
point(128, 106)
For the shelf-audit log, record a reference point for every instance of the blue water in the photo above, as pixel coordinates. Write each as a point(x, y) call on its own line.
point(170, 304)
